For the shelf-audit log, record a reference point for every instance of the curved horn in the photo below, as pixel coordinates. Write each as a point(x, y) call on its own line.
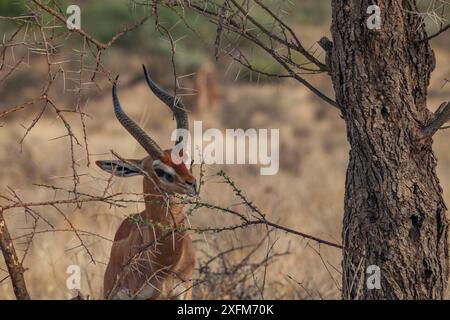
point(174, 103)
point(144, 140)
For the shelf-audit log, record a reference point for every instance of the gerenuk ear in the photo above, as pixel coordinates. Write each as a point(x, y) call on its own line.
point(120, 168)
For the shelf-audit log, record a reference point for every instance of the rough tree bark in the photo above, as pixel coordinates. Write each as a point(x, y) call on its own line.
point(395, 216)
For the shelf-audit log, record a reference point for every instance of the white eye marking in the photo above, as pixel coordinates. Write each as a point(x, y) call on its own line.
point(164, 172)
point(157, 164)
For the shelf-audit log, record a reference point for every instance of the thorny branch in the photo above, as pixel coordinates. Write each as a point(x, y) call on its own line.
point(100, 45)
point(237, 20)
point(170, 230)
point(15, 268)
point(447, 27)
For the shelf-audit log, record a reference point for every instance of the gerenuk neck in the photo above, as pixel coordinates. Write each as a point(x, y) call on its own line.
point(161, 207)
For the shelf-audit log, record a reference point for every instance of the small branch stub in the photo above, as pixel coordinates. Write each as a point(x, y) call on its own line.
point(441, 116)
point(327, 45)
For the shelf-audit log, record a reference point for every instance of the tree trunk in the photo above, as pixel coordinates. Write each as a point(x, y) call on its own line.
point(395, 216)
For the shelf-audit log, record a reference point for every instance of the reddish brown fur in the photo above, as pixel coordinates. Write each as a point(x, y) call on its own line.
point(167, 262)
point(181, 168)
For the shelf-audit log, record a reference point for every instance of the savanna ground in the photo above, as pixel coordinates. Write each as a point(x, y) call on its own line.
point(306, 194)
